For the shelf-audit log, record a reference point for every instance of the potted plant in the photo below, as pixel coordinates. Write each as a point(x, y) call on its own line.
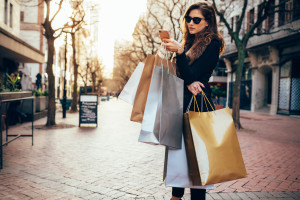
point(10, 88)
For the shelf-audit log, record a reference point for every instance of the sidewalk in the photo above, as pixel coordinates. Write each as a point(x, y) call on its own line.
point(108, 163)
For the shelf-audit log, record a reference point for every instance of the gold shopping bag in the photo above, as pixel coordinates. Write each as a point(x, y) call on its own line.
point(217, 150)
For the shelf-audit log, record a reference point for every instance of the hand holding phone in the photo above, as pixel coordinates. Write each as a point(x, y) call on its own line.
point(164, 34)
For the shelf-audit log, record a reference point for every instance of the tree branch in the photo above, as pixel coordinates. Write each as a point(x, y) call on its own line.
point(241, 18)
point(57, 11)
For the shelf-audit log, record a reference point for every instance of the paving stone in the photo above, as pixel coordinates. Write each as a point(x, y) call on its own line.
point(234, 196)
point(215, 196)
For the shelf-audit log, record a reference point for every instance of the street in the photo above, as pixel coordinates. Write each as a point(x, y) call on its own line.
point(109, 163)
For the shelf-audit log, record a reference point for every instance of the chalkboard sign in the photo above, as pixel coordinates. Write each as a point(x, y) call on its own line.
point(88, 105)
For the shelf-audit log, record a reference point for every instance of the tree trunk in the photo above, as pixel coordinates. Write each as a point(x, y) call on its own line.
point(237, 87)
point(51, 79)
point(75, 94)
point(93, 81)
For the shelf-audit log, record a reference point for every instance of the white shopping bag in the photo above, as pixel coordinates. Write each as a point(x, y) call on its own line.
point(129, 91)
point(151, 119)
point(176, 170)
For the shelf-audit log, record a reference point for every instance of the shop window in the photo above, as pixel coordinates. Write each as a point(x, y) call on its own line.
point(285, 69)
point(296, 68)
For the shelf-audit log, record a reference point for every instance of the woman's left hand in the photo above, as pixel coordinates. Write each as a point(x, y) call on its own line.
point(195, 87)
point(173, 46)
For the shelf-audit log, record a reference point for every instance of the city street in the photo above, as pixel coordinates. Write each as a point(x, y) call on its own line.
point(109, 163)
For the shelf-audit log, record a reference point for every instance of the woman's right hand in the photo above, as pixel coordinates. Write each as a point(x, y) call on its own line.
point(195, 87)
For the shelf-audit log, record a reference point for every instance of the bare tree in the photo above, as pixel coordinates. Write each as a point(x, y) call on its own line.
point(241, 36)
point(96, 71)
point(51, 34)
point(75, 24)
point(92, 72)
point(161, 14)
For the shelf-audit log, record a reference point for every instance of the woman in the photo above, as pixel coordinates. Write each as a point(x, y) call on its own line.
point(196, 59)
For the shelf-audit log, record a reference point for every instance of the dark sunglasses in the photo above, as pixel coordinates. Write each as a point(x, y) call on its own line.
point(196, 20)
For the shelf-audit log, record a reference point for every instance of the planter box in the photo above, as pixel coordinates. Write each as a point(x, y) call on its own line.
point(41, 103)
point(14, 95)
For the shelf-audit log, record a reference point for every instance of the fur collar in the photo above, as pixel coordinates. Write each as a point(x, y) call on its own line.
point(201, 41)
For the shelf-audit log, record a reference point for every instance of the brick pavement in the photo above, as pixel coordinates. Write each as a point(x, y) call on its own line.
point(108, 163)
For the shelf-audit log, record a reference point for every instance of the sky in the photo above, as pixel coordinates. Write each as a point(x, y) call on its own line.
point(117, 22)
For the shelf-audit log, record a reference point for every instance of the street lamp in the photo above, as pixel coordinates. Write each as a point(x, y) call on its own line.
point(64, 104)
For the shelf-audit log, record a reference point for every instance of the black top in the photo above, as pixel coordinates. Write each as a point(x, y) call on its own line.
point(200, 70)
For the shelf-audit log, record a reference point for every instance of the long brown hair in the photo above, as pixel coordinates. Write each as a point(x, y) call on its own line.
point(210, 32)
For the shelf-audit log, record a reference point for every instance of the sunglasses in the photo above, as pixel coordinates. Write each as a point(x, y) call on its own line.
point(196, 20)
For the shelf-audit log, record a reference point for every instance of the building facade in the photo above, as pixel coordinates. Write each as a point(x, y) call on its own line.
point(31, 19)
point(271, 74)
point(14, 51)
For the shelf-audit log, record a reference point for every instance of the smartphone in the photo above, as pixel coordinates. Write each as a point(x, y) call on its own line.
point(164, 34)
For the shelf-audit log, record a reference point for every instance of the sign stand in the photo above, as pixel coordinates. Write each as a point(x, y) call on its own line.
point(88, 109)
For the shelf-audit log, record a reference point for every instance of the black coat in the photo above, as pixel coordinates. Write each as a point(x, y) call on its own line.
point(200, 70)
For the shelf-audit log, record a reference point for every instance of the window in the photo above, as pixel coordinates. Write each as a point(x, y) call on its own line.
point(10, 15)
point(5, 11)
point(236, 22)
point(289, 11)
point(259, 27)
point(281, 15)
point(296, 10)
point(232, 23)
point(22, 16)
point(250, 19)
point(270, 18)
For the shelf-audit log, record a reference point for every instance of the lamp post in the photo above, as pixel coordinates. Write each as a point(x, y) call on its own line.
point(65, 92)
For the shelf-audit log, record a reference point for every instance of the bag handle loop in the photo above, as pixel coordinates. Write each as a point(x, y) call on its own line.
point(205, 99)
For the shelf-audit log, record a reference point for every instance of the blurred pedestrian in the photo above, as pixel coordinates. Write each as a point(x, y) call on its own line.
point(196, 59)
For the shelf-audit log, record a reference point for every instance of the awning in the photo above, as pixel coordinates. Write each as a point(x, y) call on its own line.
point(14, 48)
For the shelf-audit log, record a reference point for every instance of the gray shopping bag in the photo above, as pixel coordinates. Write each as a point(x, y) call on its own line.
point(151, 119)
point(171, 124)
point(129, 91)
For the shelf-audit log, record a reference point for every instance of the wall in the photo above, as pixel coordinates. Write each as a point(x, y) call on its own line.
point(15, 29)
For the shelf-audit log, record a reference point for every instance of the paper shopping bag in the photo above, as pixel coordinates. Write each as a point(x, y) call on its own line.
point(170, 133)
point(129, 91)
point(217, 148)
point(144, 85)
point(151, 119)
point(142, 90)
point(176, 169)
point(193, 167)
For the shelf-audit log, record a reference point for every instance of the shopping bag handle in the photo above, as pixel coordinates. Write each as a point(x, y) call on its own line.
point(206, 99)
point(203, 98)
point(165, 55)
